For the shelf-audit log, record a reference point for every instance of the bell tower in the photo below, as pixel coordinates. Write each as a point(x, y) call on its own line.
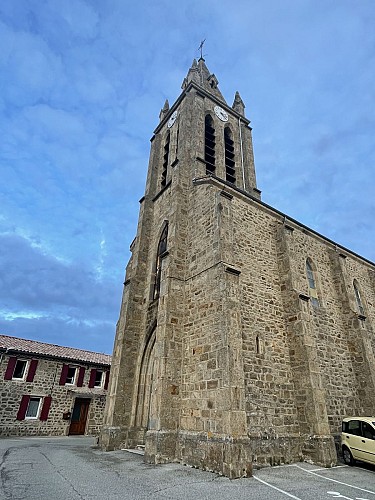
point(177, 381)
point(227, 151)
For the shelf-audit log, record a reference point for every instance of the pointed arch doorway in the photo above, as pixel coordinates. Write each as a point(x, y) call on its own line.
point(145, 400)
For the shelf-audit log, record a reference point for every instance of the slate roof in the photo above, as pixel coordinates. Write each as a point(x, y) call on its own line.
point(52, 350)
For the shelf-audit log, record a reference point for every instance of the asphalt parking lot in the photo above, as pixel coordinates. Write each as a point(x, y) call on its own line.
point(73, 468)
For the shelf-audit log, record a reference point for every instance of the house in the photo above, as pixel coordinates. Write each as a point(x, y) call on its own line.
point(50, 390)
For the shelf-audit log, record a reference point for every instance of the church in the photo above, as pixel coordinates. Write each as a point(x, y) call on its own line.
point(244, 337)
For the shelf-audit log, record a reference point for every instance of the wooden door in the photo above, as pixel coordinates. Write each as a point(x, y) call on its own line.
point(79, 416)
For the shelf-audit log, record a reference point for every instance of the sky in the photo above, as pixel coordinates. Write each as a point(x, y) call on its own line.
point(82, 83)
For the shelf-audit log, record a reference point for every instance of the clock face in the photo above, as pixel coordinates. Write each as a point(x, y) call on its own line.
point(221, 114)
point(172, 119)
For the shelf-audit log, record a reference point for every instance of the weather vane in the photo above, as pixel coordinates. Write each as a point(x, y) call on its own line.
point(201, 48)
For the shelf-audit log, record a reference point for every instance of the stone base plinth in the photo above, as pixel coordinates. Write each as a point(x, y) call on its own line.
point(224, 455)
point(320, 450)
point(111, 438)
point(231, 457)
point(278, 450)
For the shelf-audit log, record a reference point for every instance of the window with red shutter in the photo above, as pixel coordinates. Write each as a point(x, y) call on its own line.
point(81, 376)
point(23, 407)
point(45, 408)
point(64, 374)
point(32, 370)
point(10, 368)
point(92, 378)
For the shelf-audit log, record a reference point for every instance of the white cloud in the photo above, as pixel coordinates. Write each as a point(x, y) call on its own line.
point(82, 86)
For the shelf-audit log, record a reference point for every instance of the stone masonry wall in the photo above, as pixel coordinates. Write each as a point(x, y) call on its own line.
point(344, 356)
point(332, 324)
point(270, 391)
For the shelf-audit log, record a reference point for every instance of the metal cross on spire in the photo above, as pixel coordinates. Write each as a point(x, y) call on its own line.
point(201, 48)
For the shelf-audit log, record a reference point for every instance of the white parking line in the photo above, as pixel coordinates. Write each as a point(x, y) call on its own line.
point(336, 494)
point(275, 488)
point(334, 480)
point(325, 468)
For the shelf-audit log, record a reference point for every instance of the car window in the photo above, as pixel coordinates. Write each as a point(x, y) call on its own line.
point(368, 431)
point(352, 427)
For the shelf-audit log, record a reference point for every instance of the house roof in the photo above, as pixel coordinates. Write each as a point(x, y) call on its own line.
point(43, 349)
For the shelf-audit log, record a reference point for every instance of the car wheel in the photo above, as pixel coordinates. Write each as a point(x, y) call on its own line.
point(347, 456)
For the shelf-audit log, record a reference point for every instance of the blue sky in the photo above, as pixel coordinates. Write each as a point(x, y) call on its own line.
point(82, 84)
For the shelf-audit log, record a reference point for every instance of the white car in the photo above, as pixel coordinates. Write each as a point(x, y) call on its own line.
point(358, 440)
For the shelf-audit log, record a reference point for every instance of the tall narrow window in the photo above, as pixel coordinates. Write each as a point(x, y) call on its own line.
point(162, 248)
point(358, 299)
point(165, 161)
point(177, 137)
point(71, 375)
point(312, 285)
point(230, 172)
point(257, 344)
point(33, 408)
point(20, 369)
point(209, 145)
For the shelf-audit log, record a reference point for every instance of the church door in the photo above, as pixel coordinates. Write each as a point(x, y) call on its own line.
point(145, 387)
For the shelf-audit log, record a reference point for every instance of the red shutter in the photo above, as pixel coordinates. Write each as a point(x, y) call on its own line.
point(64, 374)
point(32, 370)
point(45, 408)
point(23, 407)
point(92, 378)
point(81, 376)
point(10, 368)
point(106, 380)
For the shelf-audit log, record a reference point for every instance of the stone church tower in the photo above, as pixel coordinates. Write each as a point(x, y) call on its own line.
point(244, 337)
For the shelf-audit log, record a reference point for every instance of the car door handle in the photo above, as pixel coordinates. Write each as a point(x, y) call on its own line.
point(363, 441)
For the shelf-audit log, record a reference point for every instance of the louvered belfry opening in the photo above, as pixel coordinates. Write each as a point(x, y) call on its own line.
point(165, 161)
point(230, 171)
point(209, 145)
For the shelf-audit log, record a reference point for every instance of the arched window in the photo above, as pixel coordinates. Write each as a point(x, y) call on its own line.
point(230, 172)
point(312, 285)
point(162, 248)
point(209, 145)
point(165, 161)
point(358, 298)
